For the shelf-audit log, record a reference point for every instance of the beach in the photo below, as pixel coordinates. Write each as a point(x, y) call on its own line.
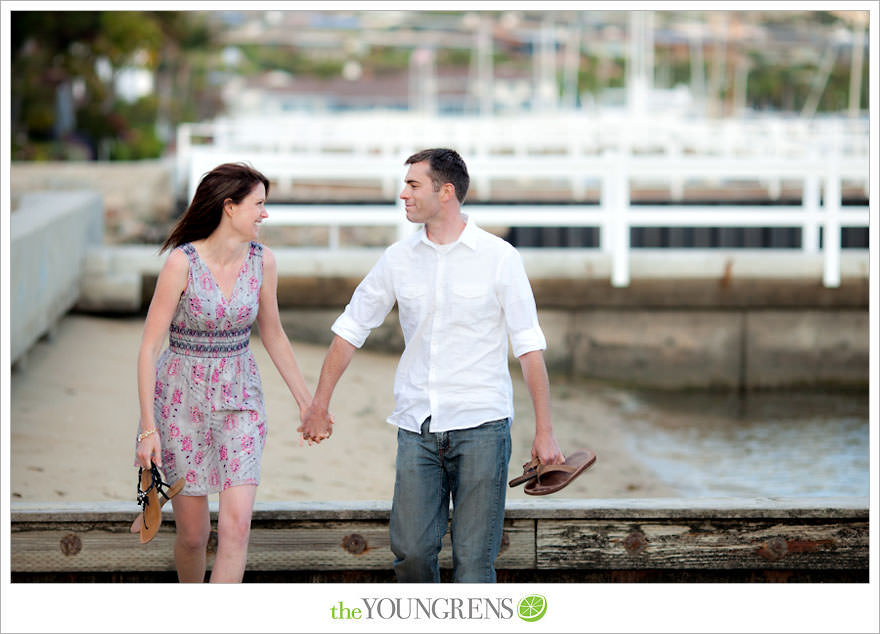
point(74, 414)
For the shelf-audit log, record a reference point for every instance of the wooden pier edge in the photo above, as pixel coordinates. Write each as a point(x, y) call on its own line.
point(650, 539)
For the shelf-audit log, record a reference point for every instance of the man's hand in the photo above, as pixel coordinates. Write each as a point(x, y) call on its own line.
point(316, 425)
point(546, 449)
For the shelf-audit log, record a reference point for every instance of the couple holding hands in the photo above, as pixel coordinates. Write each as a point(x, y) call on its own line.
point(461, 293)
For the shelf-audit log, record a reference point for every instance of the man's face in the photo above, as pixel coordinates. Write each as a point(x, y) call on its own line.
point(422, 202)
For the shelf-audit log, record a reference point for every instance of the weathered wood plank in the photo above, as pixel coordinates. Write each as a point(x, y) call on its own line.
point(90, 549)
point(330, 547)
point(702, 544)
point(275, 545)
point(346, 546)
point(541, 534)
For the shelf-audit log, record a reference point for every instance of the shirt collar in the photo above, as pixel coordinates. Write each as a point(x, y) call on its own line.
point(468, 236)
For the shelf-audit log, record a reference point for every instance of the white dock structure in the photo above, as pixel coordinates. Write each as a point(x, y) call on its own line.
point(606, 155)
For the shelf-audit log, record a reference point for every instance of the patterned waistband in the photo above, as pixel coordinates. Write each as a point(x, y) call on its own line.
point(201, 343)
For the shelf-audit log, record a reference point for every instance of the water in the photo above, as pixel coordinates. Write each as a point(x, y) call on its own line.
point(799, 444)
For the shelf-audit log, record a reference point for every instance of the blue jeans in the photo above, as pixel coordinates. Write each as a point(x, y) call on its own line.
point(468, 465)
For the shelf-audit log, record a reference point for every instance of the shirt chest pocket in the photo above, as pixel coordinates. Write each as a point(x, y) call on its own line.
point(411, 304)
point(470, 302)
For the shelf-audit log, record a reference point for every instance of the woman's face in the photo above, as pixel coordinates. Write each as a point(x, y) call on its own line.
point(250, 212)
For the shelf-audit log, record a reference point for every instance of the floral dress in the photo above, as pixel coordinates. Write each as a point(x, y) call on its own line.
point(209, 400)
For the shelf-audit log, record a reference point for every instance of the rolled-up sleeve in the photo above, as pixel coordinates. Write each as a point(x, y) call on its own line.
point(370, 303)
point(520, 313)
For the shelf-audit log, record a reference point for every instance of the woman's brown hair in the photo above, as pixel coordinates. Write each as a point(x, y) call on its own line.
point(230, 181)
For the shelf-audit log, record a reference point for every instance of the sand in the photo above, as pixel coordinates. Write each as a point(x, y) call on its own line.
point(74, 410)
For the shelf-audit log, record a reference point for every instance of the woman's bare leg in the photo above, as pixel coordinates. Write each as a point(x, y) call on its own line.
point(193, 522)
point(233, 533)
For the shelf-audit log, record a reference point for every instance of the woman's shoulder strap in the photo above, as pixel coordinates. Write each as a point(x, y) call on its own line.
point(189, 250)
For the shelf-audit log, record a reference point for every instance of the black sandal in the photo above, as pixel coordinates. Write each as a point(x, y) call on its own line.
point(149, 486)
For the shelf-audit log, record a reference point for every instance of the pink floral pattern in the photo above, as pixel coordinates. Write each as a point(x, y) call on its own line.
point(196, 417)
point(195, 306)
point(227, 392)
point(208, 398)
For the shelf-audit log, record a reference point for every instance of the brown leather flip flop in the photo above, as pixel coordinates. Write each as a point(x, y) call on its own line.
point(150, 485)
point(530, 470)
point(550, 478)
point(138, 523)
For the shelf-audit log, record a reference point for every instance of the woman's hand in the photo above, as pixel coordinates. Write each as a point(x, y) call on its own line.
point(150, 450)
point(316, 425)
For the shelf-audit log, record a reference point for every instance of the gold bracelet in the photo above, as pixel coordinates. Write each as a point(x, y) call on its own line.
point(146, 434)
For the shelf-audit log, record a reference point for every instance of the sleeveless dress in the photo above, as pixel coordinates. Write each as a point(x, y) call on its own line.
point(209, 399)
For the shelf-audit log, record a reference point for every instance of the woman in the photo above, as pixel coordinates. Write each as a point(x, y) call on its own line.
point(201, 401)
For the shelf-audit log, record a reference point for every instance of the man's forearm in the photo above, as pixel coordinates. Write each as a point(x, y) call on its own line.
point(538, 383)
point(545, 447)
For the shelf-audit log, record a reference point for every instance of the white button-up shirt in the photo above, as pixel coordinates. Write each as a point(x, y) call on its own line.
point(457, 305)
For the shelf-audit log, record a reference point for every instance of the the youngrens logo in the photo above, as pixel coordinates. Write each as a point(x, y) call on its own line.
point(530, 608)
point(438, 608)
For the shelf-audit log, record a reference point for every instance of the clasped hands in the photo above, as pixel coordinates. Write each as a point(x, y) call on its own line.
point(316, 424)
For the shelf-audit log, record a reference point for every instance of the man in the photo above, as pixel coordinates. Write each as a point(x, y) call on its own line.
point(460, 292)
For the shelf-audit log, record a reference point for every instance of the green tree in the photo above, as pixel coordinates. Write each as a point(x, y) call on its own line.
point(64, 66)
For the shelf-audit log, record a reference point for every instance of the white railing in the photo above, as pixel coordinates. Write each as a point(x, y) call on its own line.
point(380, 136)
point(564, 132)
point(615, 215)
point(611, 155)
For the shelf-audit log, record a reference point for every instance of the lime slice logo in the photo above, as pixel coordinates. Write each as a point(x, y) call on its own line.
point(532, 607)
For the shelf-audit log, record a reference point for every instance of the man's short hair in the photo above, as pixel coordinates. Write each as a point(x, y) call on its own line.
point(446, 166)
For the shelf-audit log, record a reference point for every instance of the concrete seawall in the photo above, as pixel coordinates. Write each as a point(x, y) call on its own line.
point(726, 320)
point(50, 233)
point(735, 349)
point(137, 196)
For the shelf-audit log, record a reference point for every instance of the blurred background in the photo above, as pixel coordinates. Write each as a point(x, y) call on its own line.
point(157, 86)
point(115, 85)
point(689, 190)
